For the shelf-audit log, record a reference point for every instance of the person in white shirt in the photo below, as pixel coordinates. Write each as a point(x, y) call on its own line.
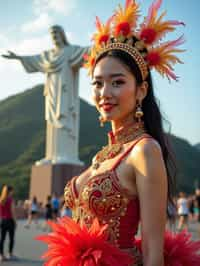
point(183, 211)
point(33, 212)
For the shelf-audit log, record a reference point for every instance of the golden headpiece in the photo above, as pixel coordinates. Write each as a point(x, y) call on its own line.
point(143, 43)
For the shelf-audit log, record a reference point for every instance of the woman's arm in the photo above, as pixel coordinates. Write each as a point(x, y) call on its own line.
point(151, 181)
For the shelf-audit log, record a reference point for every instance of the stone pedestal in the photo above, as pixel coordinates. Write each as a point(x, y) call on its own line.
point(47, 179)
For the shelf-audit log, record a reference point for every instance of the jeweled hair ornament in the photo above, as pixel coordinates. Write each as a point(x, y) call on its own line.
point(144, 42)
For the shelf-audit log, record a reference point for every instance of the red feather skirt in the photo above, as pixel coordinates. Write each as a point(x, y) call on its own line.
point(70, 244)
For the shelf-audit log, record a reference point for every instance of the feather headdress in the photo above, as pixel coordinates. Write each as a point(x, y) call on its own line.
point(143, 42)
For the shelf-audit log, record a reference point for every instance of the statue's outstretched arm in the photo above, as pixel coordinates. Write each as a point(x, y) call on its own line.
point(31, 63)
point(11, 55)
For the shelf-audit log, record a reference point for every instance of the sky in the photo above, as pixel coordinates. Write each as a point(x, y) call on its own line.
point(24, 30)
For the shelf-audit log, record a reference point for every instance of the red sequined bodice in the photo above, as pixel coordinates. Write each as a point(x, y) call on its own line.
point(103, 197)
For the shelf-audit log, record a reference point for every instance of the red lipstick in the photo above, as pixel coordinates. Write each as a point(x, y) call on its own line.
point(107, 107)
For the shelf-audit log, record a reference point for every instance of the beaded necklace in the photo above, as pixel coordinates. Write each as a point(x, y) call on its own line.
point(116, 141)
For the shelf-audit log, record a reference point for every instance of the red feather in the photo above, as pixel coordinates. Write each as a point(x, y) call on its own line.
point(98, 23)
point(70, 244)
point(153, 9)
point(128, 3)
point(179, 249)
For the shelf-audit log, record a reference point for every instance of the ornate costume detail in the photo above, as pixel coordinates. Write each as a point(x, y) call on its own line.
point(68, 195)
point(101, 198)
point(107, 152)
point(142, 42)
point(139, 113)
point(132, 51)
point(116, 141)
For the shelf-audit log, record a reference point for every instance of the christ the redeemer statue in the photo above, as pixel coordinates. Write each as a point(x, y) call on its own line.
point(61, 66)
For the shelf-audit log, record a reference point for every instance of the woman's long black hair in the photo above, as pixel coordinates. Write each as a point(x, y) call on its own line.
point(152, 118)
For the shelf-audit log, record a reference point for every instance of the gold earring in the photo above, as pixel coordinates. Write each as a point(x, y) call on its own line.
point(101, 120)
point(139, 113)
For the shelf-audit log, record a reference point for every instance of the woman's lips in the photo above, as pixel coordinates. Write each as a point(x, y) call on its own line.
point(107, 107)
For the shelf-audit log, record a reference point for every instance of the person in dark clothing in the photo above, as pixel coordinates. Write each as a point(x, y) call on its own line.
point(55, 205)
point(8, 222)
point(197, 192)
point(49, 209)
point(48, 212)
point(191, 200)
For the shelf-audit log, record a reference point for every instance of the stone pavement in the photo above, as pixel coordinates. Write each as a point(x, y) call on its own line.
point(28, 250)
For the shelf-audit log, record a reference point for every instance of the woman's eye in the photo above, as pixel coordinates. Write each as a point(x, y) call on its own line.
point(97, 84)
point(117, 83)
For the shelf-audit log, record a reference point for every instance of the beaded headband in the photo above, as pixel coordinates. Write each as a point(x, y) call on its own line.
point(142, 43)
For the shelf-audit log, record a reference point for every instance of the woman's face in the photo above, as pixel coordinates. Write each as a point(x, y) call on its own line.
point(11, 192)
point(114, 89)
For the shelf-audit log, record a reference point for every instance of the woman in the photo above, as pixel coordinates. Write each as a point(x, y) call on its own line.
point(33, 212)
point(131, 179)
point(183, 211)
point(48, 212)
point(8, 220)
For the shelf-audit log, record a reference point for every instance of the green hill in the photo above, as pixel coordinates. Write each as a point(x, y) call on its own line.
point(198, 146)
point(22, 134)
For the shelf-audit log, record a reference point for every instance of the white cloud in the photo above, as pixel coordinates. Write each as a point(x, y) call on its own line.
point(43, 21)
point(58, 6)
point(34, 45)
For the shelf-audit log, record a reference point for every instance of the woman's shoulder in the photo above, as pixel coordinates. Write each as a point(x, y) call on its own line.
point(146, 149)
point(146, 145)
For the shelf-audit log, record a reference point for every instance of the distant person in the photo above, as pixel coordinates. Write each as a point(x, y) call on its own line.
point(172, 214)
point(65, 211)
point(48, 212)
point(55, 205)
point(183, 211)
point(196, 211)
point(33, 212)
point(8, 221)
point(191, 200)
point(197, 197)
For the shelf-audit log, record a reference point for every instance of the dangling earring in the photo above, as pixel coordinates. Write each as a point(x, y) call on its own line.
point(101, 120)
point(139, 113)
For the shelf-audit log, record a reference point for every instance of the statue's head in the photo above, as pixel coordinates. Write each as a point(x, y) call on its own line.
point(58, 35)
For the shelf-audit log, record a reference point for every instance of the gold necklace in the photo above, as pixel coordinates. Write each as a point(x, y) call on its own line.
point(116, 141)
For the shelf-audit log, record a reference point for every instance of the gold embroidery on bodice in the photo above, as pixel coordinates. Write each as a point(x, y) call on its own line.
point(101, 197)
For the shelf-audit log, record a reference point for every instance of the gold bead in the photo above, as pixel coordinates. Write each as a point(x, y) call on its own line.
point(139, 113)
point(101, 120)
point(113, 208)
